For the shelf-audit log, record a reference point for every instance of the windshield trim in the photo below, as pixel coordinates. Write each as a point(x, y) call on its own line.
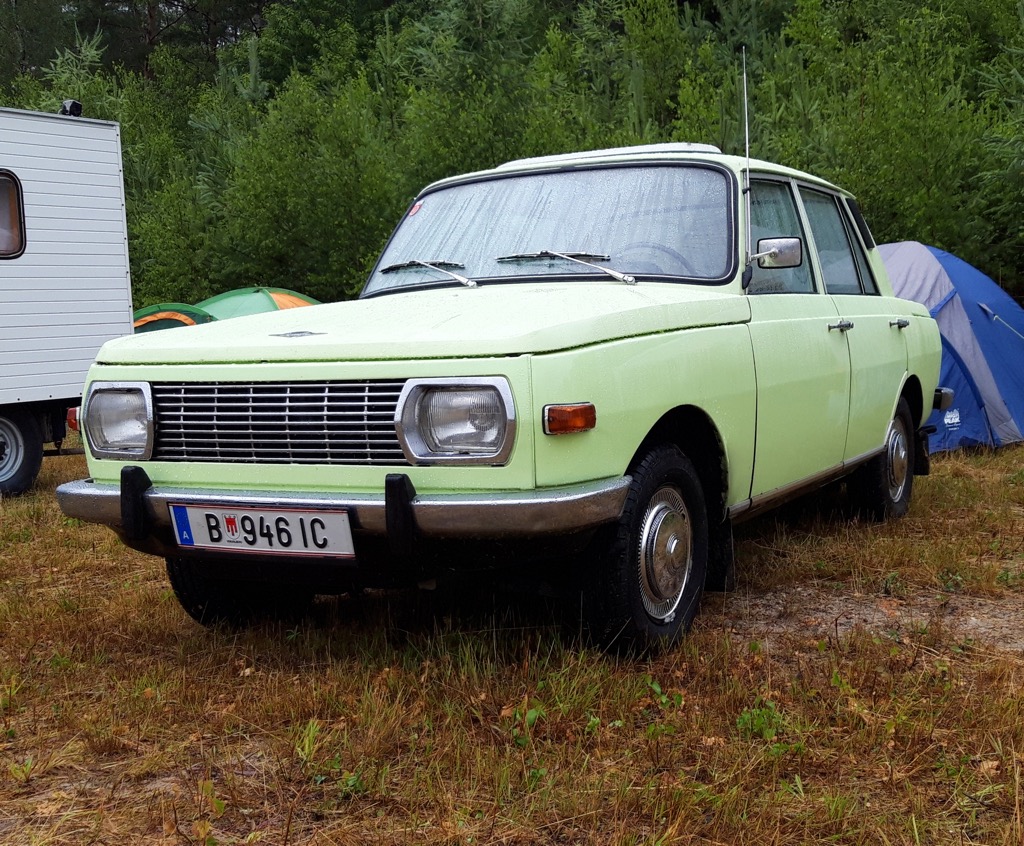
point(542, 278)
point(728, 275)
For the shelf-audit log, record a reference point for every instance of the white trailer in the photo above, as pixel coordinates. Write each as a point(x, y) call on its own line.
point(65, 287)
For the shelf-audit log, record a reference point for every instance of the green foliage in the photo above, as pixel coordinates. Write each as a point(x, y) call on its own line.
point(31, 32)
point(897, 128)
point(313, 194)
point(763, 721)
point(660, 697)
point(288, 160)
point(298, 34)
point(709, 103)
point(1003, 178)
point(74, 73)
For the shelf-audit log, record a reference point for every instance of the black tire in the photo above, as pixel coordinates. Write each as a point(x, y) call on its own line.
point(21, 451)
point(650, 575)
point(882, 488)
point(212, 601)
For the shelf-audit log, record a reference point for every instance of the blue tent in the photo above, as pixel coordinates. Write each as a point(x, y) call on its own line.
point(982, 331)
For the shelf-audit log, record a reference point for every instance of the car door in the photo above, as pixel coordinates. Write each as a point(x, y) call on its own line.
point(801, 358)
point(878, 350)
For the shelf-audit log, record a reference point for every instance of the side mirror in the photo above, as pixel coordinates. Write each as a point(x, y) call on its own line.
point(774, 253)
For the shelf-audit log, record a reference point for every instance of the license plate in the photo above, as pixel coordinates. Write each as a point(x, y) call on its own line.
point(278, 530)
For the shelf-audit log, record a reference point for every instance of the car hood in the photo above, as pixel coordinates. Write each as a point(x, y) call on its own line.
point(491, 320)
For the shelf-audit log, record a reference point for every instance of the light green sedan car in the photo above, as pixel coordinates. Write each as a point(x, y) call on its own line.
point(605, 359)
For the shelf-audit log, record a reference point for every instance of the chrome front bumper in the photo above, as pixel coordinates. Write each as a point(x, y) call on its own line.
point(138, 511)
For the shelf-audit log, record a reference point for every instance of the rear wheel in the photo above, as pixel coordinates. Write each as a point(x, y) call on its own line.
point(21, 451)
point(212, 601)
point(882, 488)
point(650, 575)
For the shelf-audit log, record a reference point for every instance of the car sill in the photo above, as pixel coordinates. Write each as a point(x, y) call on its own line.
point(771, 499)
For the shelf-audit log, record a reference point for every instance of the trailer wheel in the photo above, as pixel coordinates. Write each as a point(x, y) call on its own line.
point(21, 451)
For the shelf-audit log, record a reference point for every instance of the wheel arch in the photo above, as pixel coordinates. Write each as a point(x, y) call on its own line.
point(50, 415)
point(914, 396)
point(692, 430)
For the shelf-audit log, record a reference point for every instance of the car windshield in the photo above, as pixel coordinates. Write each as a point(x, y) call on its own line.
point(667, 221)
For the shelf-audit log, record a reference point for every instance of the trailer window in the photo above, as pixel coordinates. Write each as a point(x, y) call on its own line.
point(12, 217)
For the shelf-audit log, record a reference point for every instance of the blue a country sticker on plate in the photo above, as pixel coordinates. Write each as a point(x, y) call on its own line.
point(179, 514)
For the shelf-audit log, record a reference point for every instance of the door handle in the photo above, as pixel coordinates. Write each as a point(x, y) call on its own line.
point(842, 326)
point(902, 323)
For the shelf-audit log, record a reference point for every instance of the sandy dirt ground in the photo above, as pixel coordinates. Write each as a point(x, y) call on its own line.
point(816, 612)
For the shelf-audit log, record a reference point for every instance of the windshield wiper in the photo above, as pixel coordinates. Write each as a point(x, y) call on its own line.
point(577, 258)
point(441, 266)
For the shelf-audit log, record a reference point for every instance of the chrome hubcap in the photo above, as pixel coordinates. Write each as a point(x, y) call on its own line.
point(665, 554)
point(898, 449)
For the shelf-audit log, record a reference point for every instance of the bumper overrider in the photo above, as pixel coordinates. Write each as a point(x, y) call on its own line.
point(140, 513)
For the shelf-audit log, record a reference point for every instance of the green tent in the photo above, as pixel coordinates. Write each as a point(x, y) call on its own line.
point(237, 303)
point(169, 315)
point(245, 301)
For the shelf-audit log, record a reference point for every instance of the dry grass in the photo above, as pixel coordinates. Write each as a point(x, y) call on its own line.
point(407, 718)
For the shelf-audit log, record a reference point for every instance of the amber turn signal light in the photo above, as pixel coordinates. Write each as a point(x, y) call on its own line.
point(566, 419)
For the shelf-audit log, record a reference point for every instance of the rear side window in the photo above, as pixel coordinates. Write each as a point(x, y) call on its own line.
point(12, 217)
point(862, 224)
point(842, 261)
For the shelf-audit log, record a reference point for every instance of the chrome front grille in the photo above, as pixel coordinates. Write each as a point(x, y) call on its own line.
point(278, 422)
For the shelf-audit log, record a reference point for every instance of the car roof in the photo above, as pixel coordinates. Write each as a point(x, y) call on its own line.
point(641, 154)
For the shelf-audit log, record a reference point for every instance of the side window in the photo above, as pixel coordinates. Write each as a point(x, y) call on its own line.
point(773, 215)
point(863, 268)
point(840, 269)
point(12, 217)
point(867, 278)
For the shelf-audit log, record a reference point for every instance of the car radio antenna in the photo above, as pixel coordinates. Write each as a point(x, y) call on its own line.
point(746, 171)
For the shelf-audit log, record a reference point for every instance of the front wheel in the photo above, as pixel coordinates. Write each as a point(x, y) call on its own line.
point(21, 451)
point(650, 575)
point(212, 601)
point(881, 489)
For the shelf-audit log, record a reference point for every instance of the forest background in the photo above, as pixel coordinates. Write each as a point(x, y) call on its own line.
point(276, 143)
